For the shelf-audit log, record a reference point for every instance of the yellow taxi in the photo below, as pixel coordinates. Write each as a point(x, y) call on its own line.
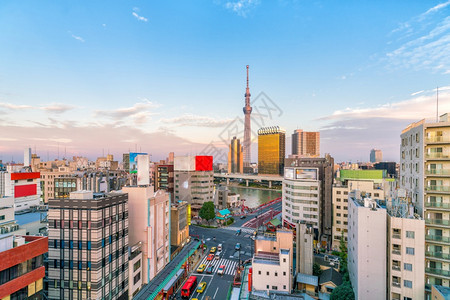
point(201, 268)
point(213, 250)
point(201, 287)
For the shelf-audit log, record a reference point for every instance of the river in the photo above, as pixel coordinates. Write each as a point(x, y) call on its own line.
point(254, 197)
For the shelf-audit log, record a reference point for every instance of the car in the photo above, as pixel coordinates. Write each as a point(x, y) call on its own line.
point(213, 249)
point(201, 287)
point(218, 255)
point(238, 246)
point(243, 217)
point(221, 270)
point(209, 269)
point(201, 268)
point(219, 247)
point(210, 257)
point(238, 232)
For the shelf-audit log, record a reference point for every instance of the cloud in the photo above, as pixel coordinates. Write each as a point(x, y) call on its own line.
point(241, 7)
point(197, 121)
point(14, 106)
point(417, 93)
point(351, 132)
point(57, 108)
point(78, 38)
point(423, 42)
point(135, 14)
point(139, 112)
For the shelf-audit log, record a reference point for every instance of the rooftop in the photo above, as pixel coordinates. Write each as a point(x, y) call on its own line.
point(307, 279)
point(330, 275)
point(444, 291)
point(263, 257)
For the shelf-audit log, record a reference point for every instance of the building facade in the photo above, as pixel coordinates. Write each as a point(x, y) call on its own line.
point(425, 176)
point(376, 155)
point(88, 246)
point(24, 187)
point(305, 144)
point(163, 178)
point(305, 248)
point(272, 262)
point(179, 228)
point(22, 269)
point(271, 150)
point(149, 213)
point(235, 157)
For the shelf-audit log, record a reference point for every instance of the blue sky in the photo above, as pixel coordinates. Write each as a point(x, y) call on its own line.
point(170, 75)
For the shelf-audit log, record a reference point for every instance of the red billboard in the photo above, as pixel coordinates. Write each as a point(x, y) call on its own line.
point(25, 190)
point(203, 163)
point(22, 176)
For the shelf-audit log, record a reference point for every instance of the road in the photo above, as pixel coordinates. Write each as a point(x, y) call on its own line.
point(218, 285)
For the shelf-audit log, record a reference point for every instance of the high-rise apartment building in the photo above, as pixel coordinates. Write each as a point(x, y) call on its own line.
point(376, 155)
point(325, 166)
point(194, 179)
point(425, 176)
point(305, 144)
point(235, 157)
point(149, 223)
point(88, 246)
point(163, 178)
point(22, 266)
point(271, 150)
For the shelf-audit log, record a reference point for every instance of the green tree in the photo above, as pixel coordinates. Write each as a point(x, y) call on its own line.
point(343, 292)
point(316, 269)
point(343, 254)
point(207, 211)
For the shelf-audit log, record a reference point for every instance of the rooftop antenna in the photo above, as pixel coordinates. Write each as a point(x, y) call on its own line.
point(437, 104)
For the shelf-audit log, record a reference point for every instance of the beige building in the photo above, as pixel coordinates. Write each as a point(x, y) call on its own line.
point(305, 144)
point(340, 204)
point(179, 228)
point(134, 270)
point(47, 181)
point(149, 224)
point(425, 176)
point(272, 262)
point(305, 248)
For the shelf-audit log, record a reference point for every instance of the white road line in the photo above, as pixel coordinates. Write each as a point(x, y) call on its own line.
point(214, 297)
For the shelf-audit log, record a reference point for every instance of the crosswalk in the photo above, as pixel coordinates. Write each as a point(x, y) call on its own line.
point(230, 265)
point(245, 230)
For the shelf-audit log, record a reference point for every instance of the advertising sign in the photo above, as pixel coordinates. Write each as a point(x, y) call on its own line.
point(289, 173)
point(143, 169)
point(133, 161)
point(305, 173)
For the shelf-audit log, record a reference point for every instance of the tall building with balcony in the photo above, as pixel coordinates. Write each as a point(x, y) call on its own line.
point(271, 150)
point(149, 223)
point(305, 144)
point(425, 176)
point(235, 157)
point(88, 246)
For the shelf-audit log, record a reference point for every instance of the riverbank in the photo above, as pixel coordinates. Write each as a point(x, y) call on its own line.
point(240, 185)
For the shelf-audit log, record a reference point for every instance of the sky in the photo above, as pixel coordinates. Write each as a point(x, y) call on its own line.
point(116, 76)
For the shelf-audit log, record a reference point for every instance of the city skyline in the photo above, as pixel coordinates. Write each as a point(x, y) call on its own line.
point(128, 76)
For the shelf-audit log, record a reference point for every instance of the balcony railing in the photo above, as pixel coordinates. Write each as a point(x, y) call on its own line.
point(397, 284)
point(437, 238)
point(437, 255)
point(396, 236)
point(397, 268)
point(398, 252)
point(437, 222)
point(437, 272)
point(438, 188)
point(438, 139)
point(438, 155)
point(437, 172)
point(437, 204)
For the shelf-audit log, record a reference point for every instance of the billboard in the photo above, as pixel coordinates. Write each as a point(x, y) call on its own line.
point(289, 173)
point(143, 169)
point(133, 161)
point(25, 190)
point(184, 163)
point(203, 163)
point(306, 173)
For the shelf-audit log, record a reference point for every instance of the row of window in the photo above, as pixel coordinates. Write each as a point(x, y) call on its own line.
point(87, 224)
point(276, 273)
point(80, 265)
point(21, 269)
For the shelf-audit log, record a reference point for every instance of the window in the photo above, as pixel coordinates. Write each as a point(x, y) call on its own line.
point(409, 251)
point(62, 264)
point(55, 244)
point(89, 245)
point(410, 234)
point(267, 273)
point(276, 273)
point(137, 278)
point(284, 287)
point(88, 265)
point(80, 265)
point(70, 264)
point(71, 244)
point(407, 267)
point(103, 243)
point(407, 283)
point(62, 223)
point(88, 285)
point(259, 272)
point(267, 286)
point(71, 224)
point(89, 226)
point(80, 245)
point(284, 260)
point(284, 273)
point(55, 263)
point(62, 244)
point(274, 287)
point(80, 224)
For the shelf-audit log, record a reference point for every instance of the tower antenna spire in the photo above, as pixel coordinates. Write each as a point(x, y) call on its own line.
point(247, 76)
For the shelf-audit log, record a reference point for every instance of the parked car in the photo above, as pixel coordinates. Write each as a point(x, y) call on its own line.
point(218, 255)
point(238, 232)
point(213, 249)
point(243, 217)
point(237, 247)
point(221, 270)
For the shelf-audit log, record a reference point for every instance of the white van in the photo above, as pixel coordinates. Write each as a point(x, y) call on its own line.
point(219, 247)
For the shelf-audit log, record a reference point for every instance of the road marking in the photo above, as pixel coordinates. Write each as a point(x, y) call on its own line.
point(216, 293)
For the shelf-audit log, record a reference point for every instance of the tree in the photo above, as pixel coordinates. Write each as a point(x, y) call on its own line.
point(207, 212)
point(343, 253)
point(316, 269)
point(343, 292)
